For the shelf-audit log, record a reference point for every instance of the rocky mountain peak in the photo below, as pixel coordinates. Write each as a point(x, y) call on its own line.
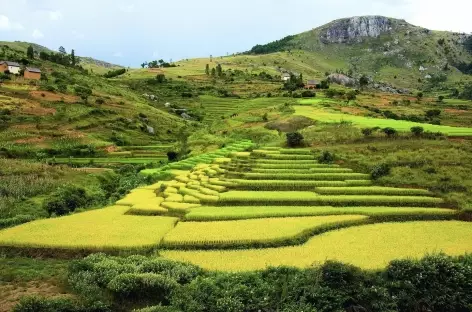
point(354, 29)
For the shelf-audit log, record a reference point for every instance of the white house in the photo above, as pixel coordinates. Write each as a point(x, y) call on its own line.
point(285, 76)
point(12, 67)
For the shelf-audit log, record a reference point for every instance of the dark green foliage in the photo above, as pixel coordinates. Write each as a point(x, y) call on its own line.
point(219, 70)
point(440, 98)
point(207, 70)
point(142, 286)
point(30, 52)
point(326, 157)
point(466, 94)
point(160, 78)
point(367, 132)
point(116, 185)
point(435, 283)
point(363, 81)
point(115, 73)
point(265, 117)
point(99, 101)
point(468, 44)
point(432, 113)
point(417, 131)
point(350, 96)
point(172, 156)
point(308, 94)
point(294, 139)
point(294, 83)
point(58, 304)
point(390, 132)
point(65, 200)
point(419, 96)
point(275, 46)
point(83, 92)
point(380, 170)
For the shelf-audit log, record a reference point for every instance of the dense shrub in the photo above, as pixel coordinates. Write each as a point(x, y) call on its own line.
point(326, 157)
point(380, 171)
point(141, 286)
point(417, 131)
point(172, 156)
point(390, 132)
point(65, 200)
point(367, 132)
point(115, 73)
point(308, 94)
point(435, 283)
point(294, 139)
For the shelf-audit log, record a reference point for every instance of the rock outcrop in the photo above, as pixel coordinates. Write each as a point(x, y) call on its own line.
point(342, 80)
point(354, 29)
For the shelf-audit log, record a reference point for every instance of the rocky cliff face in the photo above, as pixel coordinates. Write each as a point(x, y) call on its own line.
point(354, 29)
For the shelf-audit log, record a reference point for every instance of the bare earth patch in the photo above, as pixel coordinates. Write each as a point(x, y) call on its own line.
point(10, 294)
point(54, 97)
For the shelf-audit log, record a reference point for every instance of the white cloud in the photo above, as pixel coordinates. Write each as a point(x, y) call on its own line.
point(37, 34)
point(127, 8)
point(55, 15)
point(77, 35)
point(6, 24)
point(118, 54)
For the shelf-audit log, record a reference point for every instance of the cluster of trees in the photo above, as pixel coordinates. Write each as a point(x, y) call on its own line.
point(275, 46)
point(214, 72)
point(60, 58)
point(294, 83)
point(158, 64)
point(115, 73)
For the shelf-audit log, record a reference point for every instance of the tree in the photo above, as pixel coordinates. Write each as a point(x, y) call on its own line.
point(294, 139)
point(419, 96)
point(219, 70)
point(62, 50)
point(44, 56)
point(440, 98)
point(390, 132)
point(350, 96)
point(207, 70)
point(144, 64)
point(363, 81)
point(367, 132)
point(432, 113)
point(161, 78)
point(30, 52)
point(72, 57)
point(417, 131)
point(213, 72)
point(83, 92)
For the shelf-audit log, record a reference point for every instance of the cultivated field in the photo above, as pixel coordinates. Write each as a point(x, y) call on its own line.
point(241, 210)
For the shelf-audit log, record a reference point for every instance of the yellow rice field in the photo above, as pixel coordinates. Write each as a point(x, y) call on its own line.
point(253, 230)
point(369, 246)
point(101, 229)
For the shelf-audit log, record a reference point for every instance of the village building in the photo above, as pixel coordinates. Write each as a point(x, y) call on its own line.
point(32, 73)
point(285, 76)
point(12, 67)
point(311, 84)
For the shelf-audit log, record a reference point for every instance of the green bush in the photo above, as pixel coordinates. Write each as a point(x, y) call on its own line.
point(294, 139)
point(326, 157)
point(390, 132)
point(66, 200)
point(308, 94)
point(142, 285)
point(380, 171)
point(417, 131)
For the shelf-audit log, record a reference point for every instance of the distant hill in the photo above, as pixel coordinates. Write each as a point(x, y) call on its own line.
point(385, 48)
point(97, 66)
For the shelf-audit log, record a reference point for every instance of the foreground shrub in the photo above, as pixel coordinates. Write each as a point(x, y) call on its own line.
point(141, 286)
point(380, 171)
point(326, 157)
point(65, 200)
point(390, 132)
point(417, 131)
point(294, 139)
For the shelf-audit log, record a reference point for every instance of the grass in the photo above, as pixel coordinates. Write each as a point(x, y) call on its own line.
point(368, 122)
point(247, 231)
point(311, 198)
point(108, 160)
point(386, 242)
point(251, 212)
point(103, 229)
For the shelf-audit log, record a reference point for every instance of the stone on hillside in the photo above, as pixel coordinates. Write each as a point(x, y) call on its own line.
point(342, 80)
point(354, 29)
point(150, 129)
point(185, 116)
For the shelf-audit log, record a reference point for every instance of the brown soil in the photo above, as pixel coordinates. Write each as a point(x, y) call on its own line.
point(54, 97)
point(111, 149)
point(455, 111)
point(31, 140)
point(352, 110)
point(155, 70)
point(10, 294)
point(35, 108)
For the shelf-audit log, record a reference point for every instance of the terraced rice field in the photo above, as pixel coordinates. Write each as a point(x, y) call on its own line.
point(370, 122)
point(280, 205)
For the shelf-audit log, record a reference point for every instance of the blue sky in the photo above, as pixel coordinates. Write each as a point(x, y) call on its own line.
point(130, 32)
